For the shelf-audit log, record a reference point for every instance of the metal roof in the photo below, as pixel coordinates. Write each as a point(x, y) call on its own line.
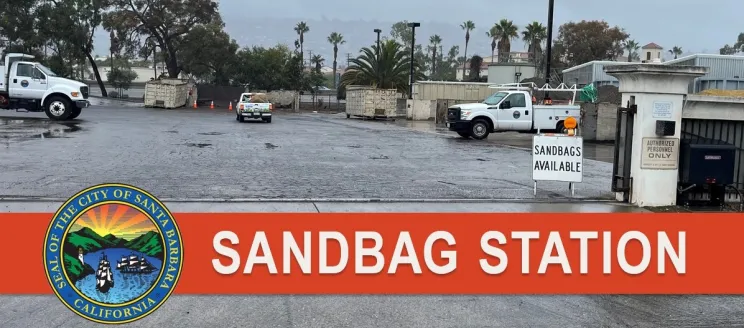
point(681, 59)
point(600, 62)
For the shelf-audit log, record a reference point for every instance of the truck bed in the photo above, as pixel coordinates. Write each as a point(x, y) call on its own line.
point(547, 116)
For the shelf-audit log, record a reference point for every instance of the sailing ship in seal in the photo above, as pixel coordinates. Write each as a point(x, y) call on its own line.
point(135, 264)
point(104, 277)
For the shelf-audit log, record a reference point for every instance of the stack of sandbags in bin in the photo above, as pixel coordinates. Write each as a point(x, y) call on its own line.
point(259, 98)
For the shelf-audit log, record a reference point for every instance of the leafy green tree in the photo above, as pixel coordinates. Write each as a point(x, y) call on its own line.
point(402, 33)
point(727, 50)
point(631, 46)
point(739, 44)
point(268, 69)
point(506, 32)
point(586, 41)
point(121, 78)
point(388, 71)
point(335, 39)
point(476, 62)
point(17, 25)
point(301, 29)
point(467, 26)
point(208, 53)
point(166, 21)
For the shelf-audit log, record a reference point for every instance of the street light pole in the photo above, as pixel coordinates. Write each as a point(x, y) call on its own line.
point(378, 31)
point(549, 52)
point(413, 45)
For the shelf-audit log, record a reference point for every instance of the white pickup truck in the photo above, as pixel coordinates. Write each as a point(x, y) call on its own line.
point(35, 88)
point(510, 109)
point(251, 110)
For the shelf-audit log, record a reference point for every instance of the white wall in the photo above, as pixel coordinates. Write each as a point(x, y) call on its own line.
point(501, 74)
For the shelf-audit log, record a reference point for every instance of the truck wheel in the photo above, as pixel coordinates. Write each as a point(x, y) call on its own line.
point(479, 129)
point(241, 119)
point(58, 108)
point(75, 113)
point(464, 135)
point(4, 102)
point(559, 127)
point(267, 120)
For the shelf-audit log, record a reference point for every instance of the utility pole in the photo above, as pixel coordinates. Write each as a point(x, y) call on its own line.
point(310, 59)
point(348, 60)
point(413, 27)
point(549, 55)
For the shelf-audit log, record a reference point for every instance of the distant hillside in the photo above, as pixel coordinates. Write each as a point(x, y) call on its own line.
point(149, 243)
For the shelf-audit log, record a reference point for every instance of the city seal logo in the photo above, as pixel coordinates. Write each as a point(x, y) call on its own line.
point(113, 253)
point(24, 83)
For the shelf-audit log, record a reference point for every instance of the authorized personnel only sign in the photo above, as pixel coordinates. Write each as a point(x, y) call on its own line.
point(557, 158)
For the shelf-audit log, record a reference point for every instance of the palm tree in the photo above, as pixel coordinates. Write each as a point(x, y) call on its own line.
point(388, 71)
point(676, 51)
point(435, 41)
point(317, 60)
point(335, 39)
point(491, 34)
point(534, 34)
point(506, 31)
point(632, 47)
point(467, 26)
point(301, 29)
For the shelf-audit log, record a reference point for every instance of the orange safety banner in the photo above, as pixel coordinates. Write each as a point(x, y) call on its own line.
point(455, 253)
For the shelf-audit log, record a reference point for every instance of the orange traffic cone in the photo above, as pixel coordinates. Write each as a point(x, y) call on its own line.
point(229, 108)
point(195, 104)
point(211, 105)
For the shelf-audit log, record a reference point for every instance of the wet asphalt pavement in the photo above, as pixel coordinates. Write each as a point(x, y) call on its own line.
point(188, 153)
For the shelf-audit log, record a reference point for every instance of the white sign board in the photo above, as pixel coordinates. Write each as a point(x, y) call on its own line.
point(663, 109)
point(660, 153)
point(557, 158)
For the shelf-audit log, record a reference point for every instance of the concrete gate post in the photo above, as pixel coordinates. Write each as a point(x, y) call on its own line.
point(658, 91)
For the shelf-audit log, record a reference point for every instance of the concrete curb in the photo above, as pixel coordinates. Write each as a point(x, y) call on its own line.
point(340, 200)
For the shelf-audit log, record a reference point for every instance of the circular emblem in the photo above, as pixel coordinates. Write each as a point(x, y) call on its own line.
point(516, 114)
point(113, 253)
point(24, 83)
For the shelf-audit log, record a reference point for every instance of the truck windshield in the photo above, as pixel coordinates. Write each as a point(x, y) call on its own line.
point(495, 98)
point(46, 70)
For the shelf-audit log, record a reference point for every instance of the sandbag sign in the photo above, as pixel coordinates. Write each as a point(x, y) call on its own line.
point(557, 158)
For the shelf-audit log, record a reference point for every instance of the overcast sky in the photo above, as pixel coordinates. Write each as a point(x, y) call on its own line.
point(696, 26)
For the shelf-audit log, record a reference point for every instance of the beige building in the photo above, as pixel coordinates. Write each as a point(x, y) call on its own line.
point(652, 53)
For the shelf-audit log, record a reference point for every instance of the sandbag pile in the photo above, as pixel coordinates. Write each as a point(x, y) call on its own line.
point(259, 98)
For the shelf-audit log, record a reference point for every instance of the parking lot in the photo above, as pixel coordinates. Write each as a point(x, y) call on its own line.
point(198, 154)
point(314, 159)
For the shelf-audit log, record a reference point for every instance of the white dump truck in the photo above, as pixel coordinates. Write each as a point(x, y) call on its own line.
point(247, 109)
point(512, 108)
point(29, 85)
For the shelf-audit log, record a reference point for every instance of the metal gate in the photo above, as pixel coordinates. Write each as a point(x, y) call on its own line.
point(621, 180)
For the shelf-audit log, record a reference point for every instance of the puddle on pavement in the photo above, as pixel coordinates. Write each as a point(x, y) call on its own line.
point(379, 157)
point(198, 145)
point(270, 145)
point(171, 131)
point(211, 133)
point(15, 129)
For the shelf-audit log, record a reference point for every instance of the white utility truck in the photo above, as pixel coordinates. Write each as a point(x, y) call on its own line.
point(512, 108)
point(32, 86)
point(253, 110)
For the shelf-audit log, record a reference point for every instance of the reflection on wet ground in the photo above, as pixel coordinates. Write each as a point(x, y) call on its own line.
point(22, 129)
point(603, 152)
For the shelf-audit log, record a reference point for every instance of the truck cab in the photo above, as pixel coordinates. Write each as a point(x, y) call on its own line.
point(512, 108)
point(34, 87)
